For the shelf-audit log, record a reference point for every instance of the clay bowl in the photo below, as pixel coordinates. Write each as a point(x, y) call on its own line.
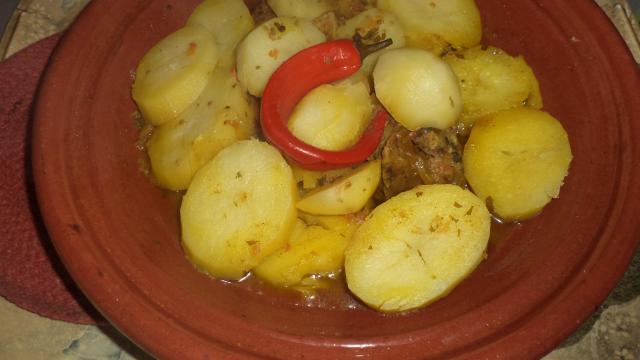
point(119, 235)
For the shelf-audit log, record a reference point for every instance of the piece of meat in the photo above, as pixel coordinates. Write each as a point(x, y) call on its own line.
point(346, 9)
point(262, 12)
point(327, 23)
point(424, 156)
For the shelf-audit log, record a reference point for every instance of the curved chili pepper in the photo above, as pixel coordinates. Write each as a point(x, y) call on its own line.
point(306, 70)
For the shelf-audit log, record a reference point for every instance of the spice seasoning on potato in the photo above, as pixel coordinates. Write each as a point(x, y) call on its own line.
point(239, 209)
point(416, 247)
point(173, 73)
point(518, 159)
point(491, 80)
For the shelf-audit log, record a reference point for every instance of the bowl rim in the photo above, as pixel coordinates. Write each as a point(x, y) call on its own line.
point(605, 265)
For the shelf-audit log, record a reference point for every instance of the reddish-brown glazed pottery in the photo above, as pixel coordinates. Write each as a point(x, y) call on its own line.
point(118, 234)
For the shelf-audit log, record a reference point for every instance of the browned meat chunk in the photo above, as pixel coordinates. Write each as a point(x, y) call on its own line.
point(327, 23)
point(262, 12)
point(347, 9)
point(424, 156)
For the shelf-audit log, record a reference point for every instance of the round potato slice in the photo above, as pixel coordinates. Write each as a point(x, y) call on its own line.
point(373, 25)
point(492, 80)
point(418, 88)
point(416, 247)
point(333, 116)
point(239, 209)
point(173, 73)
point(222, 115)
point(311, 251)
point(304, 9)
point(516, 161)
point(457, 22)
point(348, 194)
point(269, 45)
point(228, 20)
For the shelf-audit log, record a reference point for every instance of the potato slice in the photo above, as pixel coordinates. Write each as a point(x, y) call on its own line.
point(373, 25)
point(269, 45)
point(311, 179)
point(345, 225)
point(416, 247)
point(332, 116)
point(516, 161)
point(418, 88)
point(222, 115)
point(239, 209)
point(311, 251)
point(492, 80)
point(173, 73)
point(304, 9)
point(229, 21)
point(346, 195)
point(534, 100)
point(431, 24)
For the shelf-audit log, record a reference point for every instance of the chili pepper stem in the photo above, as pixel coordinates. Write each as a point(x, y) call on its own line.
point(368, 49)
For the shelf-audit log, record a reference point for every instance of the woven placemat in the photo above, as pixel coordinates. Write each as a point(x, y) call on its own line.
point(31, 274)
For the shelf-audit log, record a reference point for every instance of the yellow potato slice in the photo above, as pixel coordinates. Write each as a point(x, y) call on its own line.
point(222, 115)
point(304, 9)
point(311, 251)
point(492, 80)
point(345, 225)
point(173, 73)
point(311, 179)
point(456, 22)
point(228, 20)
point(267, 46)
point(416, 247)
point(332, 116)
point(373, 25)
point(534, 100)
point(239, 209)
point(516, 161)
point(418, 88)
point(346, 195)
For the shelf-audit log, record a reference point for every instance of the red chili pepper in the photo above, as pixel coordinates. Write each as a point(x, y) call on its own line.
point(306, 70)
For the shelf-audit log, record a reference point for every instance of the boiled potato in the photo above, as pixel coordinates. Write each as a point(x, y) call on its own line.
point(311, 250)
point(432, 24)
point(311, 179)
point(333, 116)
point(222, 115)
point(345, 225)
point(346, 195)
point(492, 80)
point(304, 9)
point(268, 46)
point(373, 25)
point(238, 210)
point(416, 247)
point(418, 88)
point(173, 73)
point(516, 161)
point(228, 20)
point(534, 100)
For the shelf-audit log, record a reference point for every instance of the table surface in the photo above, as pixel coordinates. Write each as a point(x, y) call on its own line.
point(613, 332)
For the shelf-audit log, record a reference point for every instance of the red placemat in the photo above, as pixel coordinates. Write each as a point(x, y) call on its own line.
point(31, 274)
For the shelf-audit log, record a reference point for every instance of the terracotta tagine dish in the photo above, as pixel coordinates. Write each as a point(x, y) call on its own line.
point(119, 234)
